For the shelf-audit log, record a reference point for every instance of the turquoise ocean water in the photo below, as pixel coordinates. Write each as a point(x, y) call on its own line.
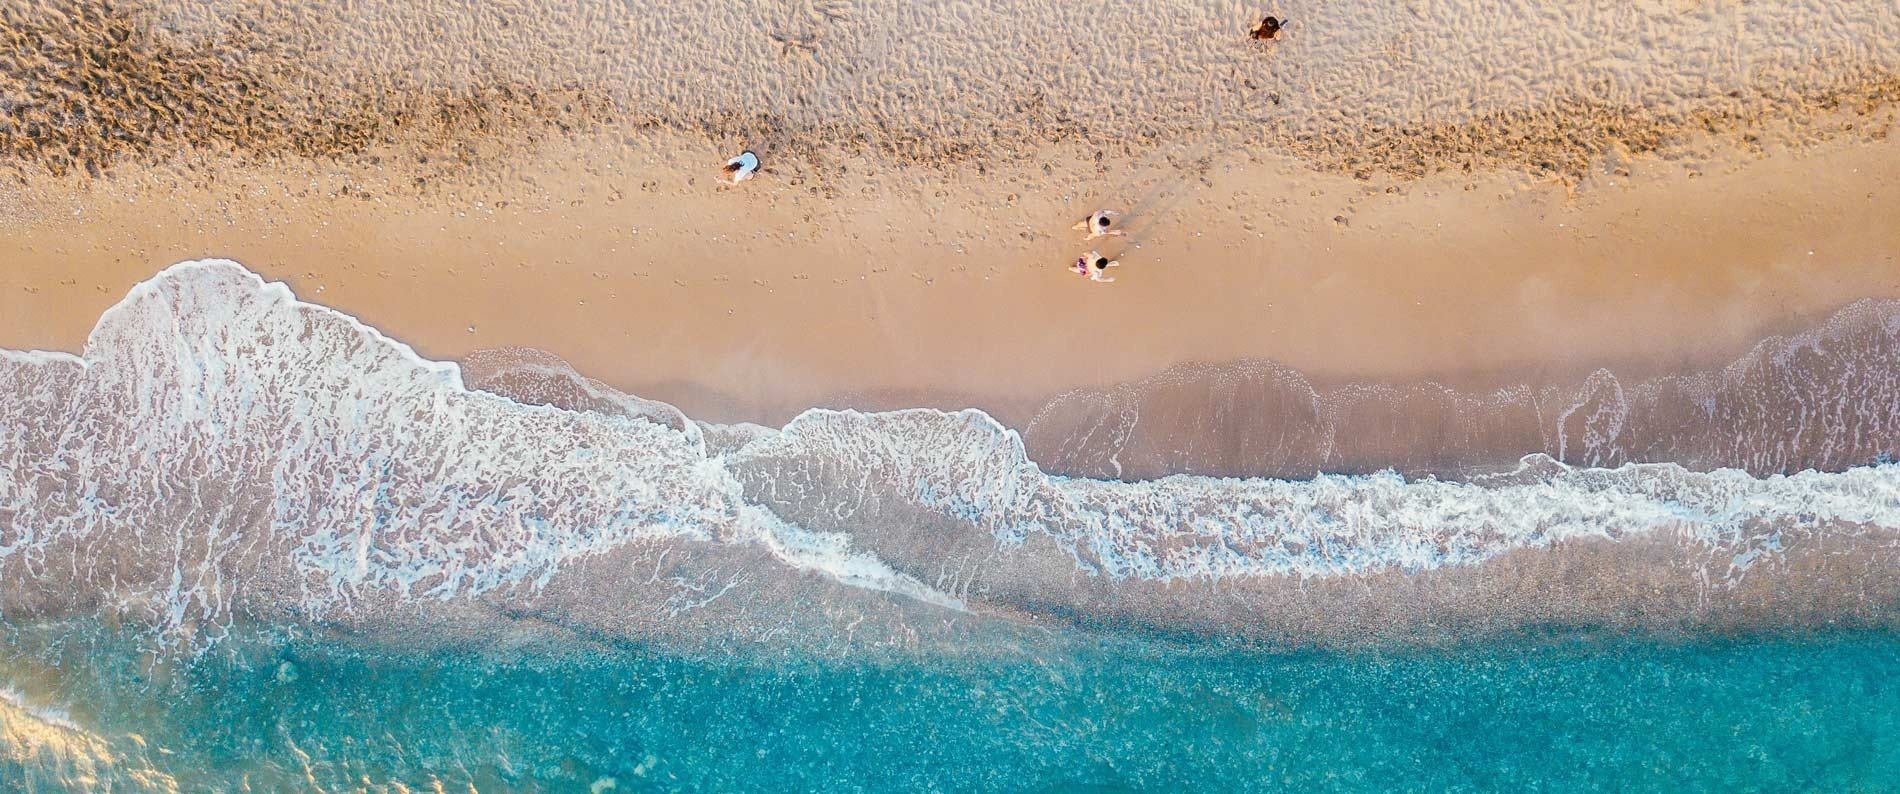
point(1572, 713)
point(248, 543)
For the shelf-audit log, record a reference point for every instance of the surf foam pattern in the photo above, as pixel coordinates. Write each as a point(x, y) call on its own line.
point(968, 468)
point(218, 434)
point(221, 442)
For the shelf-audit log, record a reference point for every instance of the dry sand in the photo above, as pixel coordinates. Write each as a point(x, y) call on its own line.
point(1475, 193)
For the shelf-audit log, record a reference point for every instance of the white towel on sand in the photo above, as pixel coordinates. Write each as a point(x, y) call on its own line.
point(743, 166)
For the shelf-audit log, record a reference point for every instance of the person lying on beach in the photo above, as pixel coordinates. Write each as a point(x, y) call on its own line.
point(741, 168)
point(1095, 266)
point(1098, 225)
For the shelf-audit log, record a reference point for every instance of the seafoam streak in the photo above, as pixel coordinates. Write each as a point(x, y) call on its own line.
point(220, 436)
point(222, 446)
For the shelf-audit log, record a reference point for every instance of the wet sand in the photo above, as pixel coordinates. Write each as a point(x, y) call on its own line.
point(1430, 235)
point(1380, 195)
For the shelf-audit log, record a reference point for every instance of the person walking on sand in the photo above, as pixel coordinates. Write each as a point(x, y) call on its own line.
point(741, 168)
point(1095, 266)
point(1100, 224)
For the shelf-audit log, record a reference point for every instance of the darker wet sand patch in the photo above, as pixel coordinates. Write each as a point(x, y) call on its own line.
point(1824, 398)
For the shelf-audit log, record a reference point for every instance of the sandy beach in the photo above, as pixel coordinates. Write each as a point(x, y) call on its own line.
point(399, 396)
point(907, 242)
point(758, 301)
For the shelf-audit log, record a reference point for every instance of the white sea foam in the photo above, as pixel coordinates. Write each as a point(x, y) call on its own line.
point(221, 441)
point(968, 468)
point(216, 427)
point(50, 715)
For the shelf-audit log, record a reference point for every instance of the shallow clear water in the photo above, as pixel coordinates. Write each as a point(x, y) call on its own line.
point(249, 543)
point(1562, 714)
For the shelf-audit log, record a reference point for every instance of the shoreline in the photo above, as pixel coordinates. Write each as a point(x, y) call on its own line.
point(1386, 196)
point(927, 515)
point(752, 303)
point(401, 395)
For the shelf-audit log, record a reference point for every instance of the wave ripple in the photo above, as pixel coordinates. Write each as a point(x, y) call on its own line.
point(223, 449)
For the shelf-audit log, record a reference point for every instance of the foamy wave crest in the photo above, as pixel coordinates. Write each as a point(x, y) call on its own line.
point(971, 471)
point(222, 449)
point(220, 440)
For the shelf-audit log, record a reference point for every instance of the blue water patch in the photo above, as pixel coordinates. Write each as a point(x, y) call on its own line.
point(1747, 714)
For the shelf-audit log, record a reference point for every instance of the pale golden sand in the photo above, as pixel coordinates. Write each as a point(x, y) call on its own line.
point(771, 298)
point(1389, 191)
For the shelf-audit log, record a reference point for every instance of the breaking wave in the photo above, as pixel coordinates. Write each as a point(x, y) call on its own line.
point(222, 450)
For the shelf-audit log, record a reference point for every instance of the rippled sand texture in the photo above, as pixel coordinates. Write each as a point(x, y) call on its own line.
point(42, 750)
point(1401, 86)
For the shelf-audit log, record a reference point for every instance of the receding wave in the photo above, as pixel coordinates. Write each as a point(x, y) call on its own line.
point(42, 749)
point(222, 450)
point(1827, 398)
